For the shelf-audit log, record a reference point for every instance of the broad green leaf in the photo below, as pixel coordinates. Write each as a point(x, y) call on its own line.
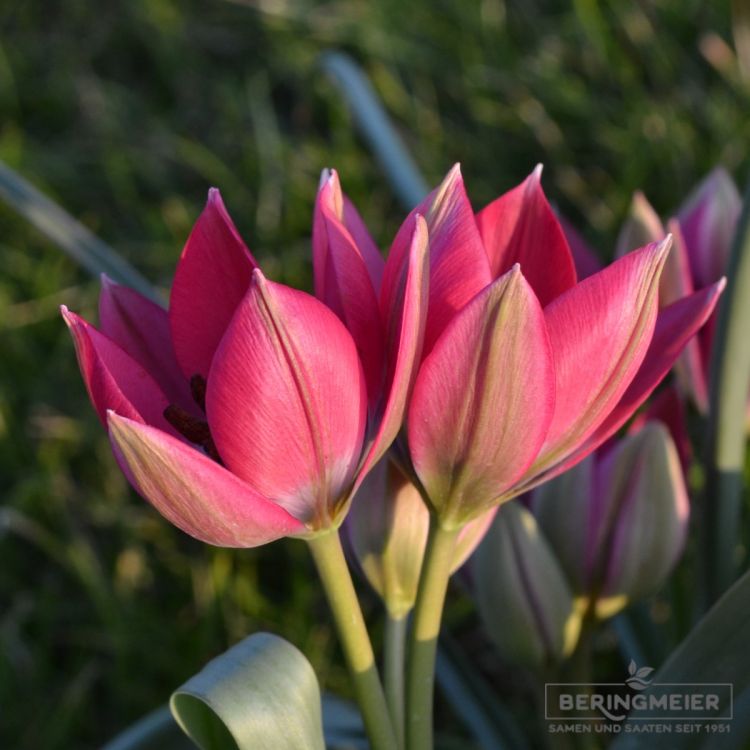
point(262, 694)
point(716, 651)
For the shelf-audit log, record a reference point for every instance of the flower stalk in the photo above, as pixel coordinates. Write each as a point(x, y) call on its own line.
point(328, 555)
point(428, 613)
point(394, 658)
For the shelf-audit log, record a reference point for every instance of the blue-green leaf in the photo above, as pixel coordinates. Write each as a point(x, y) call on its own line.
point(262, 694)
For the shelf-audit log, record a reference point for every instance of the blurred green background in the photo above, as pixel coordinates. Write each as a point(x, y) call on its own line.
point(125, 113)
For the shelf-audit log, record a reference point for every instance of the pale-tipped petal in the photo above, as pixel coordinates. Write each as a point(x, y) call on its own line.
point(708, 218)
point(195, 493)
point(286, 401)
point(642, 226)
point(525, 603)
point(404, 340)
point(343, 281)
point(141, 328)
point(586, 260)
point(483, 401)
point(675, 326)
point(600, 331)
point(520, 227)
point(459, 268)
point(114, 380)
point(641, 522)
point(211, 279)
point(387, 527)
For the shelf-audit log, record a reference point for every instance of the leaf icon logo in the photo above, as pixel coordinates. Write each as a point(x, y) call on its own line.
point(639, 678)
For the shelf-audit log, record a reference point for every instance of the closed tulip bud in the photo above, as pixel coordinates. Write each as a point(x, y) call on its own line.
point(524, 600)
point(387, 530)
point(617, 521)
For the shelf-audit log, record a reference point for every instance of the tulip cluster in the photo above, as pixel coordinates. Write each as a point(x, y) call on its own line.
point(473, 357)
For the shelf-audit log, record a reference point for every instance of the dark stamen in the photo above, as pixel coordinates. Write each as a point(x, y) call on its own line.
point(192, 428)
point(198, 389)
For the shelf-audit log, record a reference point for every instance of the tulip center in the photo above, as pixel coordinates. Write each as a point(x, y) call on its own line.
point(193, 428)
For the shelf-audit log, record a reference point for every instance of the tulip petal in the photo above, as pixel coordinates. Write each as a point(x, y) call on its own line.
point(709, 219)
point(362, 238)
point(211, 279)
point(483, 401)
point(586, 260)
point(405, 336)
point(343, 282)
point(675, 326)
point(599, 331)
point(459, 268)
point(114, 380)
point(140, 327)
point(195, 493)
point(286, 401)
point(520, 227)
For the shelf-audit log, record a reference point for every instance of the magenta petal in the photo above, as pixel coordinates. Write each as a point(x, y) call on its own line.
point(343, 282)
point(520, 227)
point(114, 380)
point(195, 493)
point(141, 328)
point(211, 279)
point(405, 335)
point(459, 268)
point(483, 401)
point(600, 331)
point(286, 401)
point(586, 260)
point(362, 238)
point(675, 326)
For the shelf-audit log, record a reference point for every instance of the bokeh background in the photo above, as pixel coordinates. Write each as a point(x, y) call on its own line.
point(125, 113)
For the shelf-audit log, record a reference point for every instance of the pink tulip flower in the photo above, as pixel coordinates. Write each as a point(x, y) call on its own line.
point(241, 413)
point(525, 370)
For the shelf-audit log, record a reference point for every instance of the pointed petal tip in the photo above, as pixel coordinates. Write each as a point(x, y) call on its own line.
point(536, 173)
point(325, 176)
point(107, 281)
point(214, 195)
point(67, 315)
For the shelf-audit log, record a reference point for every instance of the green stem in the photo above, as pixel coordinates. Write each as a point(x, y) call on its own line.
point(428, 612)
point(729, 382)
point(393, 670)
point(334, 573)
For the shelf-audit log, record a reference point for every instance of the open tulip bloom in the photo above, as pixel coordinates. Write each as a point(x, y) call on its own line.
point(251, 411)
